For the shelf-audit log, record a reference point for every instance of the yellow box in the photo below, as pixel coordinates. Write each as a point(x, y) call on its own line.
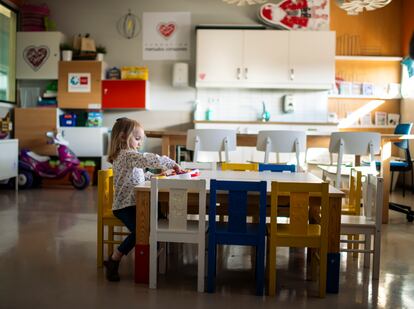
point(134, 73)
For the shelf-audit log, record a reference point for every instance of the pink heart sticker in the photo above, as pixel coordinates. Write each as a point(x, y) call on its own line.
point(166, 29)
point(202, 76)
point(36, 56)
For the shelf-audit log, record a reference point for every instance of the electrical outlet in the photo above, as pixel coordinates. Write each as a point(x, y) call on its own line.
point(289, 103)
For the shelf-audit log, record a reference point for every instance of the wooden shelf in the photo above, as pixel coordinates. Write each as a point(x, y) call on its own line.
point(369, 58)
point(367, 97)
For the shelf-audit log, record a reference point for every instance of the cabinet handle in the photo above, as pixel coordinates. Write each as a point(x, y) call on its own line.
point(238, 73)
point(292, 74)
point(246, 70)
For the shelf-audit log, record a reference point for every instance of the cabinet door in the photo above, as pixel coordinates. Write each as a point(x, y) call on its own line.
point(312, 58)
point(266, 57)
point(124, 94)
point(219, 57)
point(79, 84)
point(9, 158)
point(37, 55)
point(86, 142)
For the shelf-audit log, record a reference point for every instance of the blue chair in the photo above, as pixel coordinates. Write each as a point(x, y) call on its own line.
point(277, 167)
point(237, 231)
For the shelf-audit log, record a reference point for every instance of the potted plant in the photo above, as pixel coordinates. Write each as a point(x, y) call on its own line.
point(67, 51)
point(100, 52)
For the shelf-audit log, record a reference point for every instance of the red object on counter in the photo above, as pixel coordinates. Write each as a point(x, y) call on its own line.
point(124, 94)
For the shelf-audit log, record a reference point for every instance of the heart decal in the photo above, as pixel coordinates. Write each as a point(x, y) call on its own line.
point(166, 30)
point(202, 76)
point(36, 56)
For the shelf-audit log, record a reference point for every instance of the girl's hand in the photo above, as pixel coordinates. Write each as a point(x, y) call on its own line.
point(178, 169)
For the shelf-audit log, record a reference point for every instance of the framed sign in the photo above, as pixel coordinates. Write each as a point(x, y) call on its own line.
point(166, 36)
point(79, 82)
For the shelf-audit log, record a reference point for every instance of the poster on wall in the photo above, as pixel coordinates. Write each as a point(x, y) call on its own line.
point(296, 14)
point(166, 35)
point(79, 82)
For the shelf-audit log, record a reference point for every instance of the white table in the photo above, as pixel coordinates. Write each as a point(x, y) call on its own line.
point(335, 197)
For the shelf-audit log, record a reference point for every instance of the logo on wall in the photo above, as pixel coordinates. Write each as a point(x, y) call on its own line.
point(166, 36)
point(296, 14)
point(36, 56)
point(79, 82)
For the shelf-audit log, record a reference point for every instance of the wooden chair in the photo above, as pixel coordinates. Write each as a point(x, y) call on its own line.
point(277, 167)
point(283, 141)
point(216, 140)
point(352, 143)
point(239, 167)
point(199, 165)
point(106, 217)
point(299, 233)
point(368, 224)
point(237, 231)
point(177, 228)
point(353, 204)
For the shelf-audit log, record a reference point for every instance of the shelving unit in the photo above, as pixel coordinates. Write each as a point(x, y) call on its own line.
point(368, 58)
point(363, 97)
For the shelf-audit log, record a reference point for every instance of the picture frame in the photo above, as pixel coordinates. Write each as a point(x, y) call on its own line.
point(366, 120)
point(393, 119)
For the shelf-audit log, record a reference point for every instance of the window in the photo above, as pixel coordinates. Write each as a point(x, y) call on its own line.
point(7, 54)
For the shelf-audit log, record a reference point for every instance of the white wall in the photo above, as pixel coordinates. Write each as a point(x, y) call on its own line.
point(99, 18)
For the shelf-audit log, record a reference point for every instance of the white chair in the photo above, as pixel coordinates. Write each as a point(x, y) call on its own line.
point(368, 224)
point(177, 228)
point(216, 140)
point(212, 166)
point(282, 141)
point(352, 143)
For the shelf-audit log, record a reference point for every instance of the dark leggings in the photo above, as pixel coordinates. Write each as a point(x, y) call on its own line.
point(127, 216)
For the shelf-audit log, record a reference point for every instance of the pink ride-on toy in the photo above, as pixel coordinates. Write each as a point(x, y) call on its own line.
point(33, 168)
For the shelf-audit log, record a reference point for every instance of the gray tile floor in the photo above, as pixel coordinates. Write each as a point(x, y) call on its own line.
point(48, 260)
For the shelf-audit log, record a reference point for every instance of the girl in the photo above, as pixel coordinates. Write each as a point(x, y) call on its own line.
point(129, 165)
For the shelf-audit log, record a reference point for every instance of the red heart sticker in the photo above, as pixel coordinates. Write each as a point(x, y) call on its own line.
point(166, 29)
point(202, 76)
point(36, 56)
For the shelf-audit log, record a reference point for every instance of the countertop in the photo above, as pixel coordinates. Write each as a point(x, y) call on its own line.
point(264, 122)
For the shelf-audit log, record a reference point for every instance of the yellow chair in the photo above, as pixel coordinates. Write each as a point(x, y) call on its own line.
point(240, 167)
point(353, 206)
point(299, 233)
point(105, 215)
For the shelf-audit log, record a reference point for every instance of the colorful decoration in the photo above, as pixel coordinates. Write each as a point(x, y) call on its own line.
point(296, 14)
point(354, 7)
point(129, 25)
point(244, 2)
point(36, 56)
point(166, 30)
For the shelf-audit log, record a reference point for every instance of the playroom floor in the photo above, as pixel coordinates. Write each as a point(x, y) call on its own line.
point(48, 260)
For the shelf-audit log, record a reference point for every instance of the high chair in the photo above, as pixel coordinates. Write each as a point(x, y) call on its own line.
point(299, 233)
point(105, 216)
point(239, 167)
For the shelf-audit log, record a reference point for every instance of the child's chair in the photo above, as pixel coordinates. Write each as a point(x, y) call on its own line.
point(105, 216)
point(239, 166)
point(277, 167)
point(237, 231)
point(368, 225)
point(177, 228)
point(299, 233)
point(212, 166)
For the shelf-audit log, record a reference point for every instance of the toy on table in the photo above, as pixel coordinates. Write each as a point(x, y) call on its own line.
point(186, 174)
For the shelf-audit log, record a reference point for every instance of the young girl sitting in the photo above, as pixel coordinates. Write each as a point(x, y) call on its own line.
point(129, 170)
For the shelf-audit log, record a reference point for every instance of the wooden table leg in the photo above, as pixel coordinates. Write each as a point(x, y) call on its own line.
point(165, 148)
point(142, 237)
point(332, 280)
point(385, 172)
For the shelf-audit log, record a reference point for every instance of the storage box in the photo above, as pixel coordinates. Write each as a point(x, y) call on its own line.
point(134, 73)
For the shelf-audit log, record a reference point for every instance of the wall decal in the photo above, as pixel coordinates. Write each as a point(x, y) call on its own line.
point(296, 14)
point(36, 56)
point(166, 35)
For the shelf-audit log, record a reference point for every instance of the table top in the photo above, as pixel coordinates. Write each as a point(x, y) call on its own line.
point(255, 176)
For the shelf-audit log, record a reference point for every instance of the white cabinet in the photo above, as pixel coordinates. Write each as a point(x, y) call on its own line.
point(265, 59)
point(86, 142)
point(9, 158)
point(38, 54)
